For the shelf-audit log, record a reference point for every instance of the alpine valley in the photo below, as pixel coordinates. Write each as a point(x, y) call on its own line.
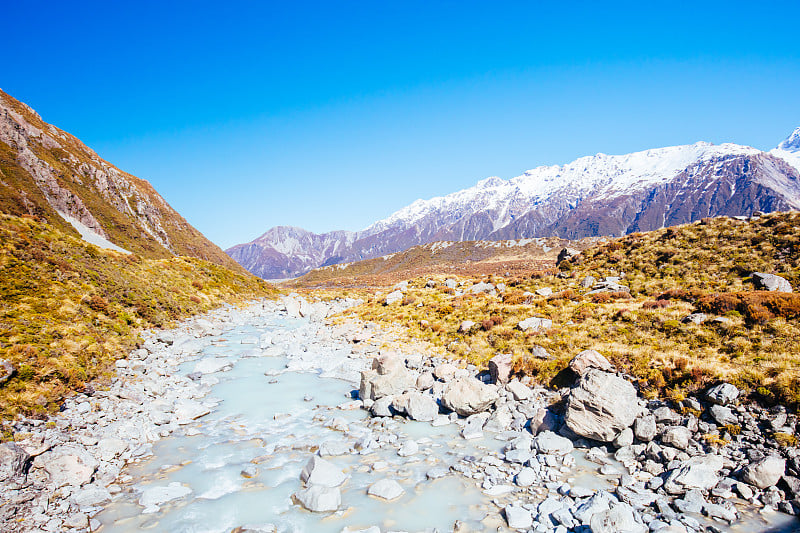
point(601, 195)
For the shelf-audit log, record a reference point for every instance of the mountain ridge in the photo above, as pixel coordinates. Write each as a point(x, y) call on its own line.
point(50, 174)
point(601, 195)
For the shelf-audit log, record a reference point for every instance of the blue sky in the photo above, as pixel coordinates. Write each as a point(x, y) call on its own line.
point(246, 115)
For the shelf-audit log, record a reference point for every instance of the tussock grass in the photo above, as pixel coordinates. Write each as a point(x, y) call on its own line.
point(68, 309)
point(672, 273)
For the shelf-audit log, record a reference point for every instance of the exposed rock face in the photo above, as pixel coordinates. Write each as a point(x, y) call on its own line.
point(587, 359)
point(592, 196)
point(49, 173)
point(601, 406)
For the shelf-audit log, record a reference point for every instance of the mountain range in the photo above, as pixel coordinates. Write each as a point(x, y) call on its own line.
point(50, 175)
point(601, 195)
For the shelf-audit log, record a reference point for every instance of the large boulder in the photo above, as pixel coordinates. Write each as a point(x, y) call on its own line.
point(620, 518)
point(68, 465)
point(375, 386)
point(6, 370)
point(535, 324)
point(320, 472)
point(699, 472)
point(587, 359)
point(765, 473)
point(393, 297)
point(417, 406)
point(500, 368)
point(601, 406)
point(319, 499)
point(14, 461)
point(771, 282)
point(548, 442)
point(468, 396)
point(723, 394)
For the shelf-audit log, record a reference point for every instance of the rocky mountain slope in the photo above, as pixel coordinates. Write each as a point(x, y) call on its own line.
point(51, 175)
point(598, 195)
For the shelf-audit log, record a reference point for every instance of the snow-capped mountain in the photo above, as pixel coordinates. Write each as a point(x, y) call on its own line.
point(592, 196)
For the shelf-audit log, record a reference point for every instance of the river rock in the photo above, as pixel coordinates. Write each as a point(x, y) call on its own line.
point(422, 407)
point(543, 420)
point(425, 380)
point(771, 282)
point(445, 371)
point(386, 489)
point(319, 499)
point(382, 406)
point(153, 497)
point(645, 428)
point(500, 368)
point(723, 415)
point(375, 386)
point(601, 406)
point(699, 472)
point(677, 436)
point(723, 394)
point(548, 442)
point(518, 517)
point(292, 307)
point(620, 518)
point(587, 359)
point(467, 396)
point(518, 390)
point(211, 365)
point(765, 473)
point(320, 472)
point(188, 410)
point(388, 363)
point(331, 448)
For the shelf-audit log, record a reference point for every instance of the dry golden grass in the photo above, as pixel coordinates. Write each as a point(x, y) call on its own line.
point(68, 309)
point(641, 334)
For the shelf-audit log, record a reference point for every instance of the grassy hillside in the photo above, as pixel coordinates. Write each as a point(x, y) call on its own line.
point(128, 208)
point(444, 258)
point(68, 309)
point(672, 273)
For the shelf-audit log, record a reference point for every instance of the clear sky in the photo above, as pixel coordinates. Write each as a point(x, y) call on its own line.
point(246, 115)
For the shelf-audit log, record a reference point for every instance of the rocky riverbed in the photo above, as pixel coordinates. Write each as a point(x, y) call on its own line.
point(268, 418)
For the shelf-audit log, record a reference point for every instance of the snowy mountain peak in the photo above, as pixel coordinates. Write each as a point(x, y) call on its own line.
point(792, 142)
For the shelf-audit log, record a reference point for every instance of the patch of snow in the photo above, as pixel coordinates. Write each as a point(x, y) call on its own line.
point(90, 236)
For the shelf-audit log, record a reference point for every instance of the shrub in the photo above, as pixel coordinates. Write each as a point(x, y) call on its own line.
point(785, 439)
point(197, 284)
point(99, 304)
point(656, 304)
point(195, 299)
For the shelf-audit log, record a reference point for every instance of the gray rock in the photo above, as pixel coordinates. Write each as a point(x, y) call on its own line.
point(720, 512)
point(393, 298)
point(320, 472)
point(600, 501)
point(723, 415)
point(91, 496)
point(467, 396)
point(6, 370)
point(526, 477)
point(319, 499)
point(445, 371)
point(677, 436)
point(587, 282)
point(620, 518)
point(723, 394)
point(473, 427)
point(466, 326)
point(408, 448)
point(375, 385)
point(543, 420)
point(548, 442)
point(382, 406)
point(187, 410)
point(331, 448)
point(422, 407)
point(500, 368)
point(68, 465)
point(518, 390)
point(544, 291)
point(587, 359)
point(14, 461)
point(153, 497)
point(601, 406)
point(625, 438)
point(425, 381)
point(699, 472)
point(535, 324)
point(765, 473)
point(695, 318)
point(387, 489)
point(540, 353)
point(518, 517)
point(771, 282)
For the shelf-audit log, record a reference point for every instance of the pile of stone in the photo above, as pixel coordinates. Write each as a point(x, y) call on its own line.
point(675, 466)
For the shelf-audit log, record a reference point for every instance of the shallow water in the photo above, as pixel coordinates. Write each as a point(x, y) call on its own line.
point(276, 422)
